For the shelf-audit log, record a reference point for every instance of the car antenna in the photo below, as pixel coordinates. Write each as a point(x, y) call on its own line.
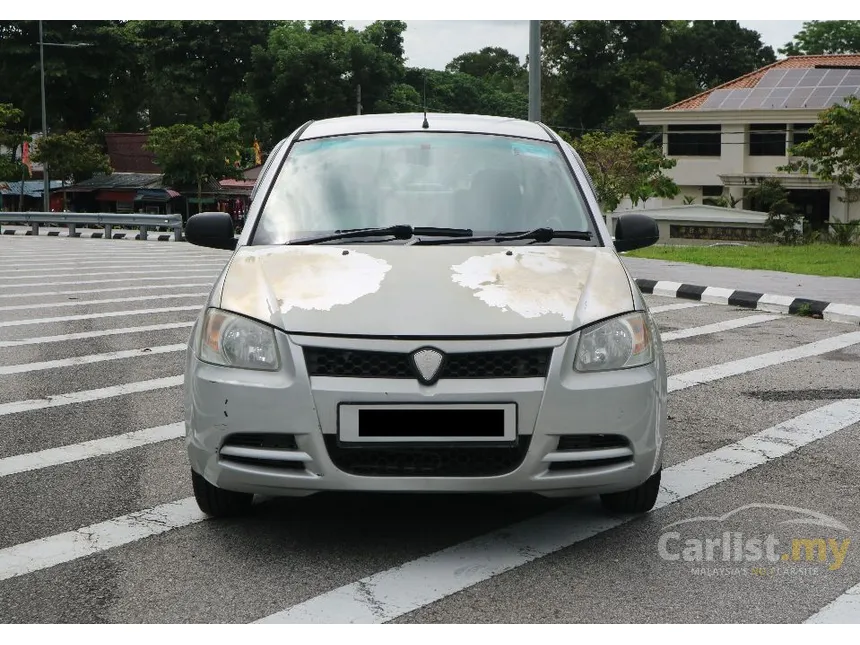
point(425, 125)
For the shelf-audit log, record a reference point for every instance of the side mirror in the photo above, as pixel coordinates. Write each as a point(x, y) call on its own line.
point(635, 231)
point(212, 230)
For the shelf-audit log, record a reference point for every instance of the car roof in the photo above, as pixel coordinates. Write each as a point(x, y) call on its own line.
point(411, 122)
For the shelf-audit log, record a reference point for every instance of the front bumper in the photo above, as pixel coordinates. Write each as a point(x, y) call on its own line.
point(629, 405)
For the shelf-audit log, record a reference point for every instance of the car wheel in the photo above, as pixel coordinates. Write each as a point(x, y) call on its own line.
point(636, 500)
point(218, 502)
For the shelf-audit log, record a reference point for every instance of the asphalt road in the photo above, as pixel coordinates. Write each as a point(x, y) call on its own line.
point(96, 524)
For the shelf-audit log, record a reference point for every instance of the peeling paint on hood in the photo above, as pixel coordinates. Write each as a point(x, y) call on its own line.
point(310, 278)
point(531, 282)
point(430, 291)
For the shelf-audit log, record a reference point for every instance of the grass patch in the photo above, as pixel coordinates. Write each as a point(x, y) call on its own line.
point(812, 259)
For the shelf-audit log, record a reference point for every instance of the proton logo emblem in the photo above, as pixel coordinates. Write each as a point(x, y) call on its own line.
point(427, 362)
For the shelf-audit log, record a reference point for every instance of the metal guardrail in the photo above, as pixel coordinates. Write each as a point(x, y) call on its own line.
point(108, 220)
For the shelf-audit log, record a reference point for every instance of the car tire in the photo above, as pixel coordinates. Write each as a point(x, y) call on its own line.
point(636, 500)
point(218, 502)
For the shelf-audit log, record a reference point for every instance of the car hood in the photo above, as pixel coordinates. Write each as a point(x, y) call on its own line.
point(428, 291)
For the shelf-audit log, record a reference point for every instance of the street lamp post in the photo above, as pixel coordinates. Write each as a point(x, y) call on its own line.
point(534, 70)
point(46, 190)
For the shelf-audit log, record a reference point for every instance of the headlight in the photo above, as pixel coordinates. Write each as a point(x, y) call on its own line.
point(615, 344)
point(234, 341)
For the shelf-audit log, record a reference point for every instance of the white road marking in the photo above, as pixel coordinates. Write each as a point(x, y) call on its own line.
point(185, 275)
point(85, 396)
point(102, 314)
point(389, 594)
point(96, 538)
point(105, 301)
point(752, 363)
point(174, 273)
point(111, 269)
point(715, 328)
point(183, 285)
point(844, 610)
point(88, 449)
point(675, 307)
point(23, 368)
point(21, 259)
point(93, 334)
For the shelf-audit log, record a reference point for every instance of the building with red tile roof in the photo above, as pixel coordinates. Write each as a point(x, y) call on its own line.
point(728, 138)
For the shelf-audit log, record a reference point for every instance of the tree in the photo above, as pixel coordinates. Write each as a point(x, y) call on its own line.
point(495, 65)
point(619, 168)
point(597, 71)
point(71, 156)
point(825, 37)
point(771, 197)
point(314, 71)
point(190, 155)
point(465, 94)
point(716, 51)
point(832, 153)
point(10, 138)
point(82, 83)
point(191, 68)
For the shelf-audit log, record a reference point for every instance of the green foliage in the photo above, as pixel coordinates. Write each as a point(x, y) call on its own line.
point(825, 37)
point(844, 233)
point(496, 66)
point(10, 169)
point(832, 152)
point(597, 71)
point(72, 155)
point(313, 72)
point(689, 199)
point(782, 217)
point(272, 76)
point(619, 168)
point(190, 155)
point(191, 68)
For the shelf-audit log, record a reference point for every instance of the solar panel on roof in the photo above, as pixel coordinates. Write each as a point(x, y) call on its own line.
point(833, 77)
point(797, 98)
point(771, 78)
point(715, 99)
point(812, 78)
point(817, 88)
point(820, 97)
point(792, 76)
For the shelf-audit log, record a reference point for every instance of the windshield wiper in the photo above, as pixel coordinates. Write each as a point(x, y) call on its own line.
point(539, 235)
point(398, 231)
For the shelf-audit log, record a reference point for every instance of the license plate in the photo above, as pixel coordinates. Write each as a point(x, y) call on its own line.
point(441, 423)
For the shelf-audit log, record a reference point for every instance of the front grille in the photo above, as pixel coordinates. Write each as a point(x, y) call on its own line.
point(591, 442)
point(322, 361)
point(427, 460)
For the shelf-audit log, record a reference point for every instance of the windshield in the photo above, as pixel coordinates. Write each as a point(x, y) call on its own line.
point(488, 184)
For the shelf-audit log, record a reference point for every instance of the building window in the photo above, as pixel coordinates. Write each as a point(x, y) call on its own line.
point(801, 133)
point(712, 191)
point(694, 140)
point(767, 140)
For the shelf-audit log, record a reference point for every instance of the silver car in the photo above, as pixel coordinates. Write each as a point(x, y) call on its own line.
point(424, 304)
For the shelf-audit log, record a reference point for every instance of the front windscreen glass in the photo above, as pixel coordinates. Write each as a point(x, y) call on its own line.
point(489, 184)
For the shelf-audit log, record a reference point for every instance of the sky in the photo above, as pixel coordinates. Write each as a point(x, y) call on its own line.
point(433, 43)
